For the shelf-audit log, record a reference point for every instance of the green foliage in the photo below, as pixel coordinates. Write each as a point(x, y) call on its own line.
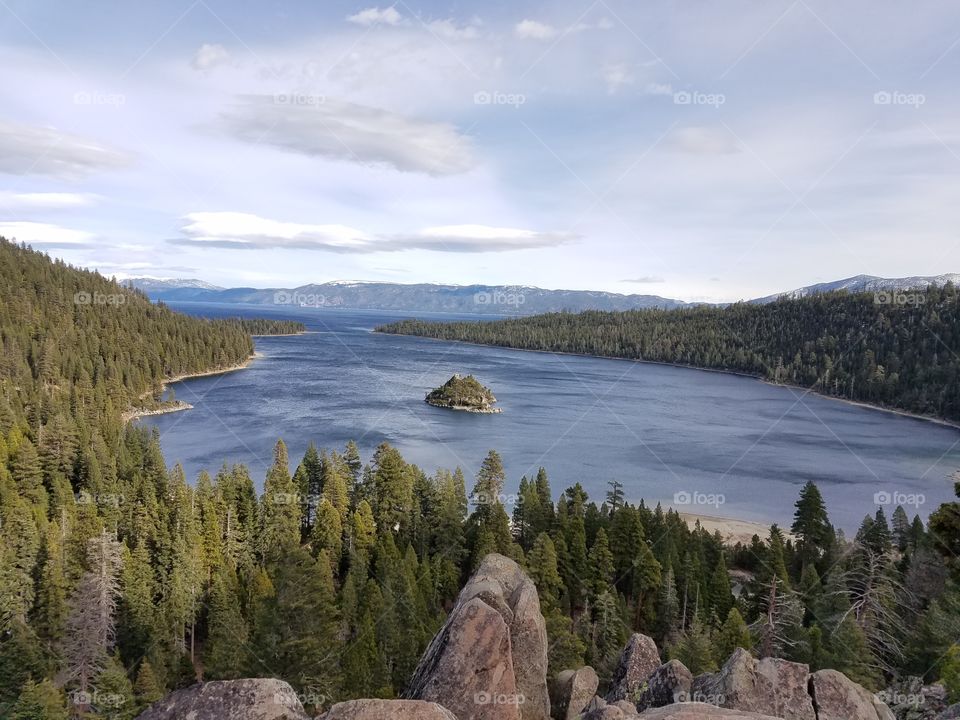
point(40, 701)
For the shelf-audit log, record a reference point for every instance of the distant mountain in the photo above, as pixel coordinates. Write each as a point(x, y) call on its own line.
point(424, 297)
point(867, 283)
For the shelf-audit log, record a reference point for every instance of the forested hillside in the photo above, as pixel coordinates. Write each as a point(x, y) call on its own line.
point(120, 578)
point(900, 350)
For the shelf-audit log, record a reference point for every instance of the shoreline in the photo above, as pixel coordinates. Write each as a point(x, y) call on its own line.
point(133, 413)
point(737, 373)
point(733, 530)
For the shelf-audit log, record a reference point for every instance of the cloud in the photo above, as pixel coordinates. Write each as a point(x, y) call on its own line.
point(50, 236)
point(659, 89)
point(449, 30)
point(377, 16)
point(645, 280)
point(616, 76)
point(237, 230)
point(323, 127)
point(479, 238)
point(26, 150)
point(704, 141)
point(208, 56)
point(11, 201)
point(533, 30)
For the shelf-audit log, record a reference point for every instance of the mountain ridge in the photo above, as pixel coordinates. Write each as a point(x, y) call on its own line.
point(483, 298)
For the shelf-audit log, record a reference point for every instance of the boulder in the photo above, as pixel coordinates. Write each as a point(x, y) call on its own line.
point(250, 699)
point(769, 686)
point(607, 712)
point(951, 713)
point(910, 699)
point(468, 666)
point(637, 662)
point(838, 698)
point(700, 711)
point(571, 692)
point(387, 710)
point(669, 683)
point(626, 707)
point(489, 659)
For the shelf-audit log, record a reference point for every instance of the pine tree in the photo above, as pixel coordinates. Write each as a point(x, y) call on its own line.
point(227, 633)
point(733, 634)
point(811, 524)
point(147, 689)
point(40, 701)
point(720, 596)
point(113, 697)
point(327, 534)
point(279, 510)
point(695, 649)
point(601, 564)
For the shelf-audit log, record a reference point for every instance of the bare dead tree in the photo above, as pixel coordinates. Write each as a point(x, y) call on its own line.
point(90, 628)
point(875, 597)
point(780, 617)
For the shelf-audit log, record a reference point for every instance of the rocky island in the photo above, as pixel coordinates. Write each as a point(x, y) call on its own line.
point(463, 393)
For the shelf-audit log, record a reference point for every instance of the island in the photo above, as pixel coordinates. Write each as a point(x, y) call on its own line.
point(463, 393)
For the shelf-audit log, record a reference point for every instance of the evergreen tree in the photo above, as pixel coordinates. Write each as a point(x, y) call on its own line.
point(279, 509)
point(811, 524)
point(147, 689)
point(733, 634)
point(40, 701)
point(226, 649)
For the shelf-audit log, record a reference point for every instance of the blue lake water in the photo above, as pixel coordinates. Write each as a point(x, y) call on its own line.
point(732, 445)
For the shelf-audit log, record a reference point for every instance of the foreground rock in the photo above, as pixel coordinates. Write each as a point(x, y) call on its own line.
point(489, 661)
point(699, 711)
point(669, 683)
point(769, 686)
point(572, 690)
point(387, 710)
point(910, 699)
point(839, 698)
point(252, 699)
point(638, 661)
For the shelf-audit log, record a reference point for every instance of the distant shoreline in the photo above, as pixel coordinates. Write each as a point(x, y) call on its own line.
point(859, 403)
point(133, 414)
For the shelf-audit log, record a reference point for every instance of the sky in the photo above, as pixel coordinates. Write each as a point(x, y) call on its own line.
point(706, 151)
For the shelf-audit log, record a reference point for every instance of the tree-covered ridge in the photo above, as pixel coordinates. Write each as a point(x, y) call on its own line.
point(903, 355)
point(77, 349)
point(463, 393)
point(270, 326)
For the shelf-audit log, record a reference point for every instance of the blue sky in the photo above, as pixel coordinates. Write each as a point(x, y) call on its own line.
point(700, 150)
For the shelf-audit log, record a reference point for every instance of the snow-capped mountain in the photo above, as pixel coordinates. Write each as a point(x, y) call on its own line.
point(867, 283)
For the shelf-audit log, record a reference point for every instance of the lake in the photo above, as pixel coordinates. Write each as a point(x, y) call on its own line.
point(704, 442)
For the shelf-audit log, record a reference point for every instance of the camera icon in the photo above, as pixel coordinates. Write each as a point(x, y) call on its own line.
point(281, 99)
point(82, 298)
point(882, 98)
point(682, 98)
point(282, 297)
point(682, 498)
point(882, 298)
point(482, 97)
point(882, 498)
point(483, 298)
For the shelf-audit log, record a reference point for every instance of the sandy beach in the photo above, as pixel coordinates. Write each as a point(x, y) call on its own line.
point(730, 529)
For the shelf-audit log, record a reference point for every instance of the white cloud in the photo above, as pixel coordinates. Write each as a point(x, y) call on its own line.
point(25, 150)
point(35, 233)
point(247, 231)
point(449, 30)
point(616, 76)
point(208, 56)
point(659, 89)
point(533, 30)
point(45, 200)
point(316, 126)
point(645, 280)
point(704, 141)
point(377, 16)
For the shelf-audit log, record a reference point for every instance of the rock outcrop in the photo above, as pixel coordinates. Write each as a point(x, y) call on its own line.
point(638, 661)
point(251, 699)
point(910, 699)
point(769, 686)
point(669, 683)
point(489, 661)
point(700, 711)
point(571, 692)
point(387, 710)
point(836, 697)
